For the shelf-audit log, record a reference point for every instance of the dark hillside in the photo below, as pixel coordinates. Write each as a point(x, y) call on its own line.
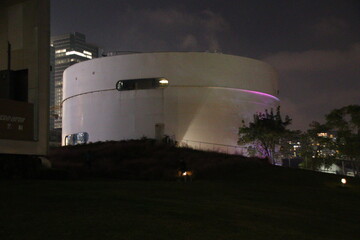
point(230, 197)
point(144, 159)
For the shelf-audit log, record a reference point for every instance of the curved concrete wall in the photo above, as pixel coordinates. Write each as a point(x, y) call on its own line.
point(207, 97)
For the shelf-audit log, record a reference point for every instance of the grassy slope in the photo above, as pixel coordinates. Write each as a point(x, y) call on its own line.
point(251, 202)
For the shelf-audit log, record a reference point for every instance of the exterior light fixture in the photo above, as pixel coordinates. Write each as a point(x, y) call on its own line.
point(163, 81)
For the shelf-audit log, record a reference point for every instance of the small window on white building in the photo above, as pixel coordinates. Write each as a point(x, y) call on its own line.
point(142, 83)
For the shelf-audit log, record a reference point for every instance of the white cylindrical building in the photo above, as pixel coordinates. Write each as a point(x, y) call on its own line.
point(195, 98)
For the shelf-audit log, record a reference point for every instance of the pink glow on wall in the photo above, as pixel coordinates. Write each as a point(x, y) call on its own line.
point(259, 93)
point(252, 92)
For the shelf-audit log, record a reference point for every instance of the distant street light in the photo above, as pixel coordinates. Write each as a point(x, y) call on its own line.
point(343, 181)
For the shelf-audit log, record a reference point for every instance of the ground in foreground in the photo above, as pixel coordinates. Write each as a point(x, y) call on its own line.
point(271, 203)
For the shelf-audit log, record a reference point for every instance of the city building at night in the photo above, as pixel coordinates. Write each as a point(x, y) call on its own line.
point(68, 49)
point(24, 78)
point(195, 98)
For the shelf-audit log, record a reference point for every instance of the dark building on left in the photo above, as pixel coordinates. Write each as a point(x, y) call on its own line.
point(24, 77)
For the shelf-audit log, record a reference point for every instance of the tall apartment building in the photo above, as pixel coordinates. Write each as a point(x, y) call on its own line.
point(69, 49)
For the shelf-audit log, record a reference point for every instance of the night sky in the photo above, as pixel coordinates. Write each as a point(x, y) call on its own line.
point(314, 44)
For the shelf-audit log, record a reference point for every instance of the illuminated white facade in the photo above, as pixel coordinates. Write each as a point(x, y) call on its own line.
point(195, 98)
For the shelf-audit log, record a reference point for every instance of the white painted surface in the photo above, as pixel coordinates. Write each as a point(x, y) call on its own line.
point(204, 102)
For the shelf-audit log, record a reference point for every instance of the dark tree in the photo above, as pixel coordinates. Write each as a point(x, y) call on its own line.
point(265, 132)
point(346, 122)
point(317, 147)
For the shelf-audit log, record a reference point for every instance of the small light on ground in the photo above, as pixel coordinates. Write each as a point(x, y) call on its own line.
point(343, 181)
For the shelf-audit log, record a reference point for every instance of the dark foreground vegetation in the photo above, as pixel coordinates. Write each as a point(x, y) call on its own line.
point(230, 197)
point(143, 160)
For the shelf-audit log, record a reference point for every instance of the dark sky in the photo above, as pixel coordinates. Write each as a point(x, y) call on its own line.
point(314, 44)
